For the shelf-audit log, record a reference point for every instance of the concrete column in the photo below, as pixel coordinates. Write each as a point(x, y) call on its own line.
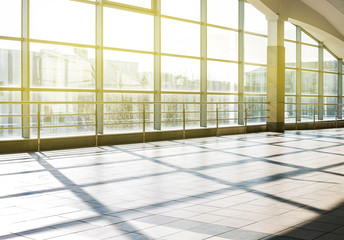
point(275, 74)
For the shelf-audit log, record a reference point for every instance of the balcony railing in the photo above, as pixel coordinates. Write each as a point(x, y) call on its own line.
point(172, 115)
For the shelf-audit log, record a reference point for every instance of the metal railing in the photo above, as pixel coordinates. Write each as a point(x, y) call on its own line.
point(241, 113)
point(311, 113)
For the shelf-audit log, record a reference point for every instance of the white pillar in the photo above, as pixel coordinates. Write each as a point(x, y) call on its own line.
point(275, 74)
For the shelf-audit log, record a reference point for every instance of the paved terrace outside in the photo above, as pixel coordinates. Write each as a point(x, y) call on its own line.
point(254, 186)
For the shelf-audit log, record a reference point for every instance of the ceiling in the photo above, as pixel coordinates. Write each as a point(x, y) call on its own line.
point(324, 19)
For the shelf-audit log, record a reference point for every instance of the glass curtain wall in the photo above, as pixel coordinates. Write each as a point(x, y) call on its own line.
point(311, 78)
point(133, 51)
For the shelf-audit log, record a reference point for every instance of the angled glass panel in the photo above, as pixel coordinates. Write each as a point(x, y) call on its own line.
point(190, 9)
point(290, 54)
point(222, 77)
point(255, 21)
point(223, 13)
point(255, 79)
point(330, 62)
point(137, 3)
point(125, 70)
point(10, 18)
point(309, 57)
point(289, 31)
point(330, 84)
point(10, 63)
point(255, 49)
point(222, 44)
point(76, 26)
point(129, 30)
point(305, 38)
point(57, 66)
point(179, 37)
point(309, 82)
point(180, 74)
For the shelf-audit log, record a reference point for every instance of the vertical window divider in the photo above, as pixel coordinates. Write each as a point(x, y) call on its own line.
point(99, 68)
point(157, 64)
point(340, 90)
point(298, 73)
point(241, 60)
point(203, 90)
point(321, 82)
point(25, 67)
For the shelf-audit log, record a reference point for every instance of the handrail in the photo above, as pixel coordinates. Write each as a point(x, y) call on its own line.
point(137, 116)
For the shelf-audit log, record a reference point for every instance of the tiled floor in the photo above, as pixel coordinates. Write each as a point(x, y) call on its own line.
point(254, 186)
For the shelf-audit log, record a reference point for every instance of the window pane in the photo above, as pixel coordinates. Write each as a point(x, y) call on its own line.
point(290, 81)
point(255, 49)
point(123, 29)
point(77, 24)
point(305, 38)
point(255, 79)
point(309, 57)
point(309, 111)
point(180, 37)
point(330, 84)
point(256, 113)
point(78, 118)
point(55, 66)
point(222, 44)
point(123, 70)
point(222, 77)
point(330, 108)
point(227, 113)
point(289, 31)
point(180, 74)
point(189, 9)
point(125, 116)
point(138, 3)
point(40, 96)
point(10, 63)
point(255, 21)
point(290, 109)
point(10, 18)
point(309, 82)
point(8, 115)
point(290, 54)
point(172, 114)
point(223, 13)
point(330, 62)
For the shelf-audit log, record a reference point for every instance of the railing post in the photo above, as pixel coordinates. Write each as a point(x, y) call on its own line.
point(217, 119)
point(313, 116)
point(296, 115)
point(183, 120)
point(245, 106)
point(38, 127)
point(143, 123)
point(96, 124)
